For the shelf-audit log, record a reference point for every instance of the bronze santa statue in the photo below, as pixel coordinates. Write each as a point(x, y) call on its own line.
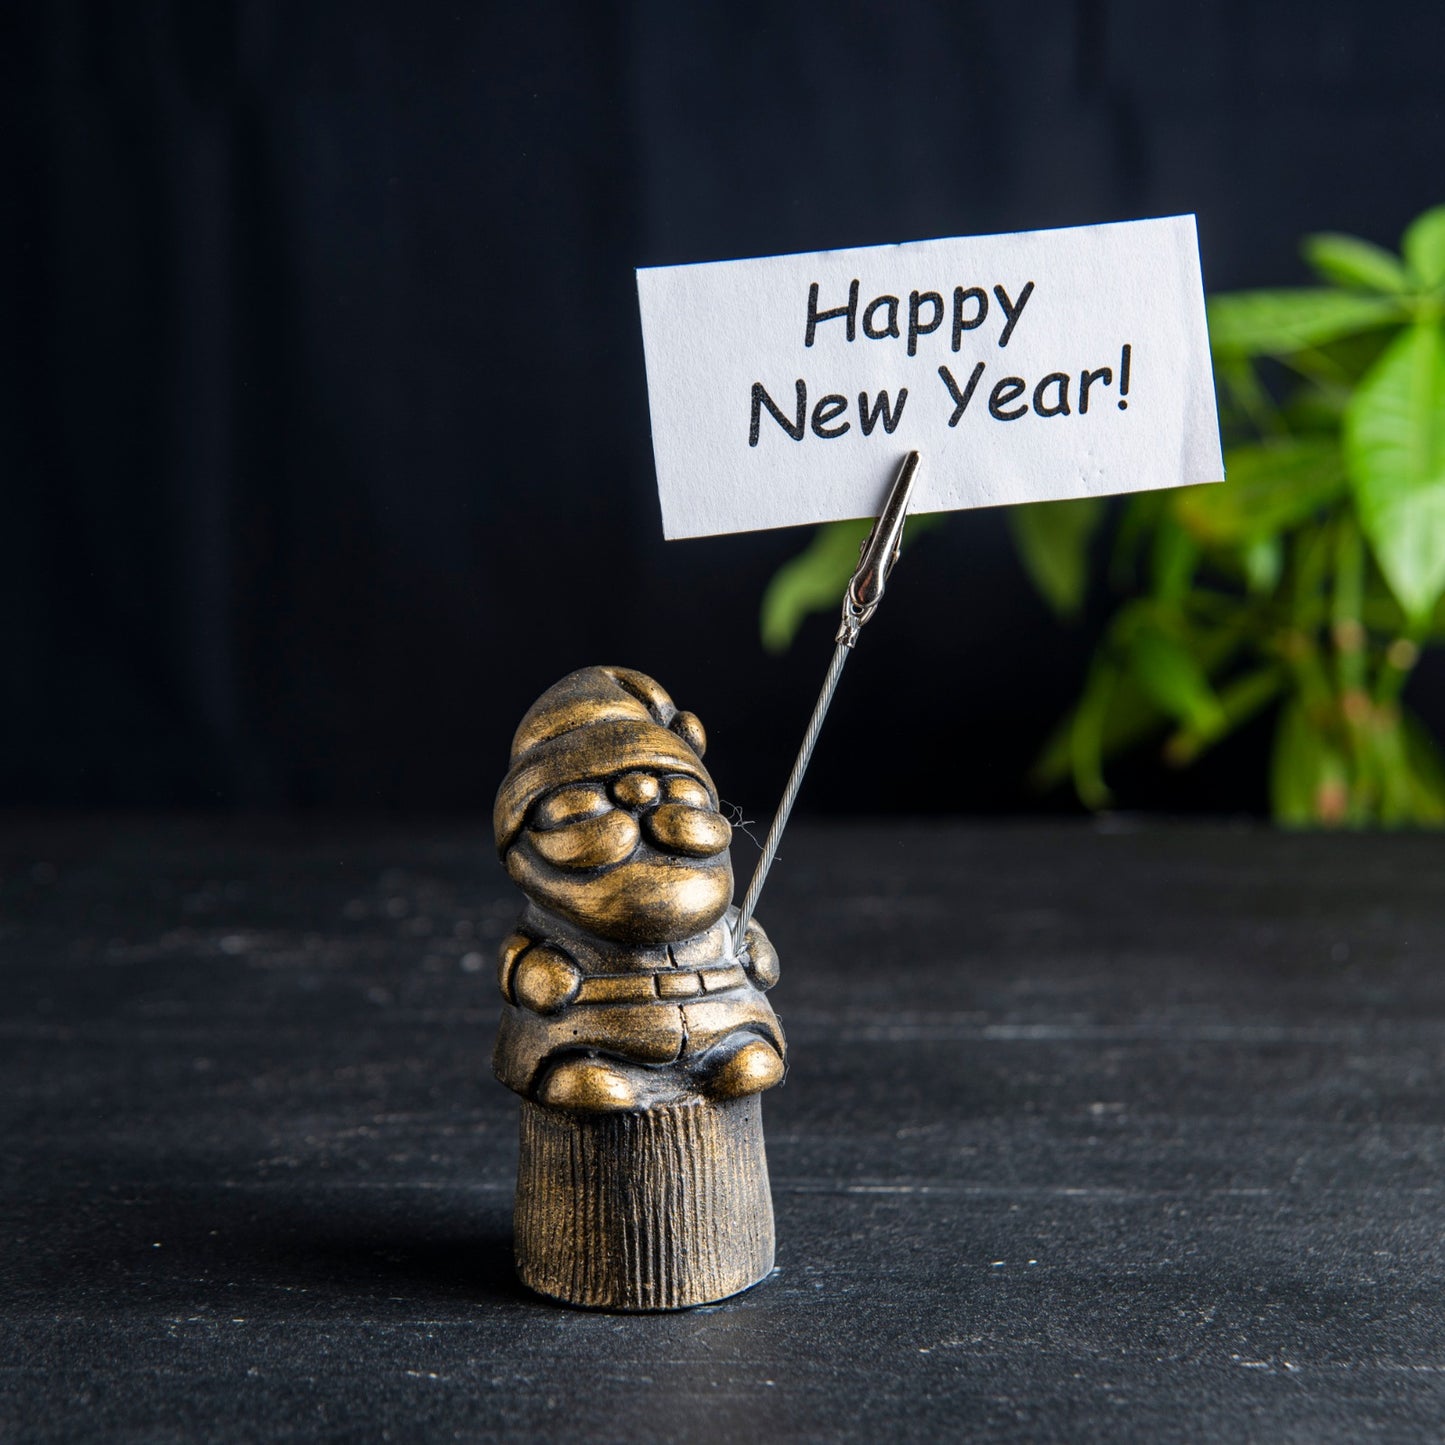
point(634, 1026)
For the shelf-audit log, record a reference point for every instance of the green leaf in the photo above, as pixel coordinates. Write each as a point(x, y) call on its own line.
point(1307, 777)
point(1242, 396)
point(1115, 713)
point(1347, 605)
point(1268, 488)
point(1173, 561)
point(1353, 262)
point(812, 582)
point(1412, 773)
point(1239, 701)
point(1087, 731)
point(1395, 448)
point(1424, 248)
point(1291, 770)
point(1120, 717)
point(1263, 560)
point(1168, 673)
point(1316, 410)
point(1390, 774)
point(1136, 519)
point(1053, 543)
point(1275, 323)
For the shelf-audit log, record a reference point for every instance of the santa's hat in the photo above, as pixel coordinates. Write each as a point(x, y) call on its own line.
point(595, 723)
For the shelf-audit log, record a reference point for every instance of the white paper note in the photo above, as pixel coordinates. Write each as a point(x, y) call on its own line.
point(1024, 367)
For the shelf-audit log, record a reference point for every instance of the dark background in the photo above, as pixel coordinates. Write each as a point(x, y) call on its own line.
point(325, 441)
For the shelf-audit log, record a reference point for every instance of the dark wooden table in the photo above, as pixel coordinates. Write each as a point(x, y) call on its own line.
point(1091, 1133)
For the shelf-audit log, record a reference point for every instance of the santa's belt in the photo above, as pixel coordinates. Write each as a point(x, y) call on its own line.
point(643, 987)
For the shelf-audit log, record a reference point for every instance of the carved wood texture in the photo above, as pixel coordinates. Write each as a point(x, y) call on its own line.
point(644, 1211)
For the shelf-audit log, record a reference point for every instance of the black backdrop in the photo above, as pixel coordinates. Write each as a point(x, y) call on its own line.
point(325, 439)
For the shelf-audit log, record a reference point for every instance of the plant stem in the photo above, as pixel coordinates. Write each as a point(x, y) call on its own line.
point(1398, 662)
point(1347, 632)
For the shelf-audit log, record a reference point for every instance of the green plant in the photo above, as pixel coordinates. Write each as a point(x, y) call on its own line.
point(1309, 581)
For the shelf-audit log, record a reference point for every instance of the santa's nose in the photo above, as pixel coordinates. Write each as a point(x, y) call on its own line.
point(694, 832)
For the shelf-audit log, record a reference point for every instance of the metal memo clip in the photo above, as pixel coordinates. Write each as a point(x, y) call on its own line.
point(877, 555)
point(865, 590)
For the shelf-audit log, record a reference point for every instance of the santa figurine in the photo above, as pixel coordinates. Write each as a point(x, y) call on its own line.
point(634, 1027)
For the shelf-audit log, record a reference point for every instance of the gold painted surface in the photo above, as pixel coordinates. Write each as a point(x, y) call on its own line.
point(714, 1019)
point(688, 726)
point(763, 957)
point(588, 696)
point(546, 980)
point(719, 980)
point(691, 832)
point(610, 824)
point(570, 805)
point(753, 1068)
point(678, 985)
point(606, 1219)
point(620, 988)
point(610, 837)
point(593, 1086)
point(609, 748)
point(636, 790)
point(646, 899)
point(513, 946)
point(682, 789)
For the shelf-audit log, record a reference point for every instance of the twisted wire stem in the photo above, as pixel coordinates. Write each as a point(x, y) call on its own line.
point(790, 794)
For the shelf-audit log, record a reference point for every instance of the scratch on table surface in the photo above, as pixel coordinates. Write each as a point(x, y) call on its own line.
point(989, 1191)
point(943, 1030)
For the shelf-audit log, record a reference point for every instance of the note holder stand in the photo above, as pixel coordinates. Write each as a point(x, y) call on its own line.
point(635, 1020)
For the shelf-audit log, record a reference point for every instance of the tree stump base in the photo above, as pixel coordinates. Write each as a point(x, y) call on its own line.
point(657, 1210)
